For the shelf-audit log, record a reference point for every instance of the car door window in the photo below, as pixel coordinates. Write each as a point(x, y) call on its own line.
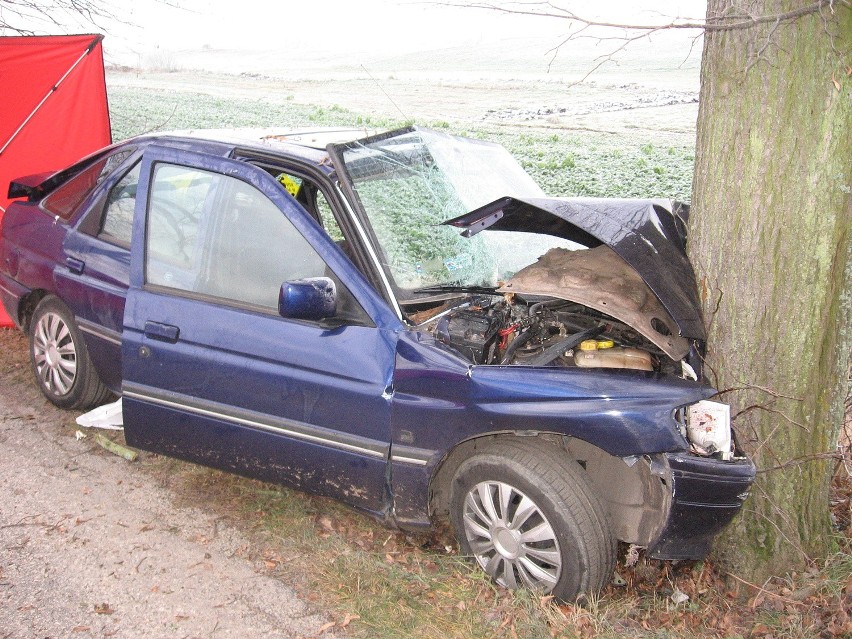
point(178, 196)
point(65, 199)
point(312, 199)
point(327, 217)
point(215, 235)
point(118, 215)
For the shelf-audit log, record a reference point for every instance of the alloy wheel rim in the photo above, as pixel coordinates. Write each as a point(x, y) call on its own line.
point(55, 354)
point(511, 538)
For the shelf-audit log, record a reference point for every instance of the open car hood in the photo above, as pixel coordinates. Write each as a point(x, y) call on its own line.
point(600, 279)
point(648, 235)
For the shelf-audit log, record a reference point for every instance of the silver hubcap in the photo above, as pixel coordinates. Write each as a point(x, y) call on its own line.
point(511, 538)
point(55, 354)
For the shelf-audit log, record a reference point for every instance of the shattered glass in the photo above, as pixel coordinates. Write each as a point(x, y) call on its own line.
point(411, 182)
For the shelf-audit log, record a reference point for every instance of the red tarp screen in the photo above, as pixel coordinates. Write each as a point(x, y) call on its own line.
point(54, 106)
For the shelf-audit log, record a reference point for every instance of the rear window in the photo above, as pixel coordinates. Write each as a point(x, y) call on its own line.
point(65, 199)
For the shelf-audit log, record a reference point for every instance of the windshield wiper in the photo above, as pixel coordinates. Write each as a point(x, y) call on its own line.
point(456, 288)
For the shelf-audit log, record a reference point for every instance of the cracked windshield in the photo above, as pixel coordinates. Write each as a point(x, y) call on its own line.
point(412, 181)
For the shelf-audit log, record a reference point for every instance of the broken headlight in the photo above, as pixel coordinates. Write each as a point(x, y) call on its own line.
point(708, 429)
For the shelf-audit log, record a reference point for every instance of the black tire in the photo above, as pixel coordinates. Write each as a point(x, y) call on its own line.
point(59, 359)
point(543, 488)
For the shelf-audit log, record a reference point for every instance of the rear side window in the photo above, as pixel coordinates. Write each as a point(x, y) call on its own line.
point(65, 199)
point(118, 217)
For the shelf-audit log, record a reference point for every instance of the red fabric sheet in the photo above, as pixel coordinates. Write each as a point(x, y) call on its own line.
point(72, 121)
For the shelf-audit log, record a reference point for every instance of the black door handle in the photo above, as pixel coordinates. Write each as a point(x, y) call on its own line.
point(162, 332)
point(75, 265)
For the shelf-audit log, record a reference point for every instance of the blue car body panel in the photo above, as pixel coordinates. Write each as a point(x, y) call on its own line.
point(94, 285)
point(265, 396)
point(440, 399)
point(366, 413)
point(438, 386)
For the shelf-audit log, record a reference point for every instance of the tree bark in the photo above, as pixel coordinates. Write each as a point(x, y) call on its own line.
point(771, 242)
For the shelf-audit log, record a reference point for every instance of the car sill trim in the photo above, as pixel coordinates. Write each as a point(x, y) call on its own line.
point(411, 455)
point(257, 421)
point(409, 460)
point(105, 334)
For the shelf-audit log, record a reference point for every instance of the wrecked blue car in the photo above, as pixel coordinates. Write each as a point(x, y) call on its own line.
point(404, 322)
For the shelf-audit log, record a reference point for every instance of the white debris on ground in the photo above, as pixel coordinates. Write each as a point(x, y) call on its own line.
point(108, 416)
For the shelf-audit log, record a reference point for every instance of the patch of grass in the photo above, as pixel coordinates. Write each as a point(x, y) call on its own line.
point(381, 583)
point(136, 111)
point(600, 165)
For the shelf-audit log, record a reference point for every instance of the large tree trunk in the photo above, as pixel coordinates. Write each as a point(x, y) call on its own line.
point(771, 241)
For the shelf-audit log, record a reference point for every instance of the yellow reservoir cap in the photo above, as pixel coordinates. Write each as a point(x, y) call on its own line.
point(605, 343)
point(589, 345)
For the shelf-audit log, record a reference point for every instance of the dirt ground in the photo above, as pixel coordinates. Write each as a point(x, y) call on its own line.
point(94, 546)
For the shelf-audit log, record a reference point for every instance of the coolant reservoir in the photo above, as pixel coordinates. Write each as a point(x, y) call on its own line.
point(633, 358)
point(596, 344)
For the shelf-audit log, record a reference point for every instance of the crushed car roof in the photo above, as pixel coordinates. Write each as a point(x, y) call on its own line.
point(315, 139)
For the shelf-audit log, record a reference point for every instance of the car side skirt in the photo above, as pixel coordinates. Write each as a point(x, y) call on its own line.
point(259, 446)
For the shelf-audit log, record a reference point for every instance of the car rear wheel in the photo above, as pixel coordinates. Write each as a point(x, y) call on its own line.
point(530, 518)
point(60, 360)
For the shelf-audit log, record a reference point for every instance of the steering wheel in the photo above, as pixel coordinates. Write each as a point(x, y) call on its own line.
point(175, 218)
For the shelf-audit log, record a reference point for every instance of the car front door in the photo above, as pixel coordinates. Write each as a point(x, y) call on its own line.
point(212, 372)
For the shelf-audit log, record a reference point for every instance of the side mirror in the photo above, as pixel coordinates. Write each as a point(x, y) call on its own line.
point(313, 298)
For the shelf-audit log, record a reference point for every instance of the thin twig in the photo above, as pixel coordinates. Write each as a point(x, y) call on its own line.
point(763, 441)
point(712, 23)
point(781, 514)
point(765, 389)
point(20, 522)
point(803, 460)
point(764, 591)
point(759, 55)
point(771, 410)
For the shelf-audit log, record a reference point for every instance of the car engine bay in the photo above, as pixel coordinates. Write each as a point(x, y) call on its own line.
point(511, 329)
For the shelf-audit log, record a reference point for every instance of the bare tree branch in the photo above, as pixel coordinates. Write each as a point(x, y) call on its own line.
point(797, 461)
point(735, 18)
point(17, 15)
point(712, 23)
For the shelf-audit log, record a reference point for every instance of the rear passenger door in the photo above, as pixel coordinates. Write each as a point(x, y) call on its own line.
point(212, 372)
point(94, 279)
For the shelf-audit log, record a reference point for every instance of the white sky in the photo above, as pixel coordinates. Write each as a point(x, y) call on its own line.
point(333, 26)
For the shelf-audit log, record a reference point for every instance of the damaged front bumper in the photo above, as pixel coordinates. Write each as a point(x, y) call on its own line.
point(705, 494)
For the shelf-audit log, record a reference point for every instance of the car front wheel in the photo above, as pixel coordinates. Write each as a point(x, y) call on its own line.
point(59, 358)
point(530, 518)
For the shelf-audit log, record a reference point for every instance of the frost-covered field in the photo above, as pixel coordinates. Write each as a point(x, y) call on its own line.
point(567, 157)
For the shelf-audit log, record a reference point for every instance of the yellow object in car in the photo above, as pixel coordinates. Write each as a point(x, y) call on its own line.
point(292, 184)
